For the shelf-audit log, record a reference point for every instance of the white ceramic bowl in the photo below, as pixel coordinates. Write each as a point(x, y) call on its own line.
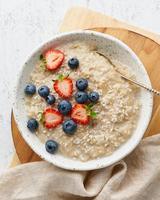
point(115, 49)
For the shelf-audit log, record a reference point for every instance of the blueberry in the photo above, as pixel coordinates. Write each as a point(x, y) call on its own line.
point(50, 99)
point(64, 107)
point(32, 124)
point(69, 127)
point(30, 89)
point(93, 96)
point(81, 97)
point(73, 63)
point(43, 91)
point(51, 146)
point(81, 84)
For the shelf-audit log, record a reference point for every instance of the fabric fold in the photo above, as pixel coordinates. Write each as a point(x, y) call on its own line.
point(137, 177)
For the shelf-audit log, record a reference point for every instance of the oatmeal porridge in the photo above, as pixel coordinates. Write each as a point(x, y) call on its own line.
point(78, 105)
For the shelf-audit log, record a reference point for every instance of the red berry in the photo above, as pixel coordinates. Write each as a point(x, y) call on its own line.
point(52, 118)
point(79, 114)
point(64, 87)
point(53, 58)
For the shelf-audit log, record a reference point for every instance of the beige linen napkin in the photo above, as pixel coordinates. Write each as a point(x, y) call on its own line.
point(137, 177)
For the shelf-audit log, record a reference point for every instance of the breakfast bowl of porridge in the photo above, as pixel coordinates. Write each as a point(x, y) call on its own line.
point(72, 106)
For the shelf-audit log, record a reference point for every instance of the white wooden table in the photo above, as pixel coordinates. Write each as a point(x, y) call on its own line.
point(25, 24)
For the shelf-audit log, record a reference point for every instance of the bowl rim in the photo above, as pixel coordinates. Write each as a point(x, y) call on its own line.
point(139, 136)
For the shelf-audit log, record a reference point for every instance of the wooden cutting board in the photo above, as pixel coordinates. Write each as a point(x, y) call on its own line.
point(145, 44)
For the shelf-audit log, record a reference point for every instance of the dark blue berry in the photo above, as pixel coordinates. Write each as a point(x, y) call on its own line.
point(81, 84)
point(81, 97)
point(32, 124)
point(73, 63)
point(30, 89)
point(64, 107)
point(50, 99)
point(43, 91)
point(51, 146)
point(69, 127)
point(93, 96)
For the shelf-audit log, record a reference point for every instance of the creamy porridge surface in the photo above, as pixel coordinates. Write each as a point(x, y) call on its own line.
point(117, 109)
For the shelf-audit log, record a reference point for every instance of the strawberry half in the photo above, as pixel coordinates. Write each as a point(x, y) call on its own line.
point(53, 59)
point(79, 114)
point(52, 118)
point(63, 87)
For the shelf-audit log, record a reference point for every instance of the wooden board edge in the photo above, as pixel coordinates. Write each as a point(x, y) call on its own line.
point(103, 21)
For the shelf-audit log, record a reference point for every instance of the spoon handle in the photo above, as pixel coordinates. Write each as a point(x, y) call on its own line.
point(131, 80)
point(140, 84)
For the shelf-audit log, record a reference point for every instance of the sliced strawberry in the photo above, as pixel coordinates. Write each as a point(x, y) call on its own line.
point(79, 114)
point(64, 87)
point(52, 118)
point(53, 58)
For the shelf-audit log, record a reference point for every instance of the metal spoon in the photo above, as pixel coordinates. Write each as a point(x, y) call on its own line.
point(128, 79)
